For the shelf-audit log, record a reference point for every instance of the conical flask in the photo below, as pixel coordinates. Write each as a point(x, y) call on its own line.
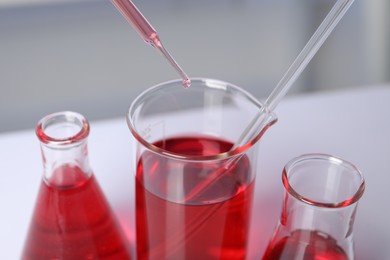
point(72, 218)
point(319, 209)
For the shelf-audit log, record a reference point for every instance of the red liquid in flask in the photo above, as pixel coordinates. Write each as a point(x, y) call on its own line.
point(73, 221)
point(193, 229)
point(306, 245)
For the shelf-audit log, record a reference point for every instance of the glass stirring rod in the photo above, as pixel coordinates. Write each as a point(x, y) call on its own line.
point(148, 33)
point(304, 57)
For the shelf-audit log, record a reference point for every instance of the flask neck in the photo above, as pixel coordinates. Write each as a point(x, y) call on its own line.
point(322, 193)
point(336, 222)
point(64, 148)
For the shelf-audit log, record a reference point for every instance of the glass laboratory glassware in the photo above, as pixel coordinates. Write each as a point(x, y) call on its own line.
point(131, 13)
point(72, 218)
point(193, 193)
point(322, 193)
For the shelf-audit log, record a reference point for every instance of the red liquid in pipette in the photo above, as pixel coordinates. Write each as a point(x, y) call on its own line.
point(74, 221)
point(169, 230)
point(306, 244)
point(148, 33)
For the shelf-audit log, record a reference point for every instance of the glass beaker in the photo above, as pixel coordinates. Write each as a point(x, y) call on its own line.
point(193, 192)
point(319, 208)
point(72, 218)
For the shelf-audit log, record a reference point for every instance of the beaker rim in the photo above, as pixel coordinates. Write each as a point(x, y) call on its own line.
point(79, 132)
point(352, 199)
point(271, 119)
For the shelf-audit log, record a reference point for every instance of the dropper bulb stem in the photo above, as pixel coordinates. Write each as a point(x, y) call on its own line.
point(148, 33)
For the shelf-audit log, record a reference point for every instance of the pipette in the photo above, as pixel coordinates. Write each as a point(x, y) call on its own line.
point(148, 33)
point(296, 68)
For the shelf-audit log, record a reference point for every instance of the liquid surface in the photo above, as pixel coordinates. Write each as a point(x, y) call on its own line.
point(306, 245)
point(73, 221)
point(174, 222)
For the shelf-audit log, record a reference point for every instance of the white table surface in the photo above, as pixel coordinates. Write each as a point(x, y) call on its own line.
point(352, 124)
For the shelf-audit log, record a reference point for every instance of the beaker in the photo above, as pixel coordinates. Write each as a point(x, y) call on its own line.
point(72, 218)
point(319, 207)
point(193, 192)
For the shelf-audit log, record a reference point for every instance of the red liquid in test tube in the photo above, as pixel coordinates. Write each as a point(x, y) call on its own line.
point(148, 33)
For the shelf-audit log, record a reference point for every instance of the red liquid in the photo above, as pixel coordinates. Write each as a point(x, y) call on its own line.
point(73, 221)
point(306, 245)
point(200, 228)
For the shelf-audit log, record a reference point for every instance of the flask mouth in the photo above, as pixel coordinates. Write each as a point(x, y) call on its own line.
point(323, 180)
point(62, 128)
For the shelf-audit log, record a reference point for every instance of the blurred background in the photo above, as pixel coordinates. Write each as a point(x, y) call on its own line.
point(82, 55)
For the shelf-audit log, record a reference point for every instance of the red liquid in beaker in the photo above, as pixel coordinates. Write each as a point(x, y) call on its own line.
point(73, 221)
point(169, 230)
point(306, 245)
